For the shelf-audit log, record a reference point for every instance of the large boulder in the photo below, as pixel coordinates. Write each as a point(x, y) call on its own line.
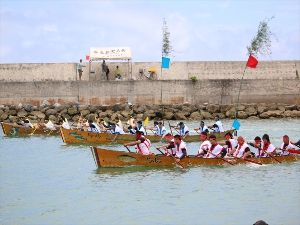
point(242, 115)
point(225, 108)
point(38, 114)
point(126, 114)
point(196, 116)
point(290, 113)
point(45, 103)
point(150, 113)
point(22, 113)
point(268, 114)
point(272, 107)
point(139, 109)
point(85, 112)
point(251, 111)
point(206, 115)
point(291, 107)
point(93, 109)
point(241, 107)
point(72, 111)
point(12, 112)
point(53, 118)
point(168, 115)
point(4, 116)
point(180, 116)
point(13, 119)
point(262, 108)
point(213, 108)
point(51, 112)
point(230, 113)
point(118, 107)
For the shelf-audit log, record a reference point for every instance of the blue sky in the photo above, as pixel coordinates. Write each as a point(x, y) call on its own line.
point(211, 30)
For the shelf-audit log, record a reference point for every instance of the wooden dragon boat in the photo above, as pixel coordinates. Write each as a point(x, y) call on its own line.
point(13, 130)
point(75, 136)
point(111, 158)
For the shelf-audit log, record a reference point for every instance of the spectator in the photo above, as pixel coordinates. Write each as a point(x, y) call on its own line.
point(79, 68)
point(104, 68)
point(107, 72)
point(118, 73)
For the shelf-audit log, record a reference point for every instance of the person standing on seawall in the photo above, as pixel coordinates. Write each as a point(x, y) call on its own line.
point(105, 70)
point(79, 68)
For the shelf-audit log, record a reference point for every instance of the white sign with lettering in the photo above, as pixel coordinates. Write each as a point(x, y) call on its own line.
point(110, 53)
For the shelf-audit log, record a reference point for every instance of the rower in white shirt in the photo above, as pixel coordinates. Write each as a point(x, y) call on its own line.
point(180, 148)
point(242, 150)
point(202, 128)
point(231, 143)
point(183, 130)
point(218, 126)
point(286, 145)
point(116, 129)
point(267, 148)
point(161, 130)
point(140, 127)
point(215, 150)
point(204, 146)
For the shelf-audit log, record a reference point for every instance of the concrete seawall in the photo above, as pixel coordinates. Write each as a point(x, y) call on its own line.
point(178, 71)
point(222, 91)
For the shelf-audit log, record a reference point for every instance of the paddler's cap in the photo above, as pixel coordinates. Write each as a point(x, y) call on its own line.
point(181, 123)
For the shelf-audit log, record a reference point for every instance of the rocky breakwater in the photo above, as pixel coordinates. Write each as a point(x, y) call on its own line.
point(12, 113)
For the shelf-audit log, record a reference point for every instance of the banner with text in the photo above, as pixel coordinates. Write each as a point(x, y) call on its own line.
point(116, 53)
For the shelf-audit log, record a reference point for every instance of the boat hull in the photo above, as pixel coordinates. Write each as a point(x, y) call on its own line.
point(110, 158)
point(17, 130)
point(74, 136)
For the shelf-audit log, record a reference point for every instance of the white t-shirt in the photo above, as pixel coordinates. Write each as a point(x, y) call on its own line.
point(161, 131)
point(179, 148)
point(288, 147)
point(142, 129)
point(240, 150)
point(220, 125)
point(204, 128)
point(119, 130)
point(144, 147)
point(216, 151)
point(205, 146)
point(184, 130)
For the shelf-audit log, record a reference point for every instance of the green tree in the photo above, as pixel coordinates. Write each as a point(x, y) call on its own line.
point(261, 43)
point(166, 45)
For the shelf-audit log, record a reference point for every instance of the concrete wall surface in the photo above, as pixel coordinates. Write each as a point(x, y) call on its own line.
point(220, 91)
point(178, 71)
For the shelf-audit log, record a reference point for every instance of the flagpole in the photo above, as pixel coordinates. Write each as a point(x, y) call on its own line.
point(238, 100)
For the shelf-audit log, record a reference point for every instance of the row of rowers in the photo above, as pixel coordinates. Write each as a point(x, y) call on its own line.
point(158, 128)
point(210, 148)
point(99, 125)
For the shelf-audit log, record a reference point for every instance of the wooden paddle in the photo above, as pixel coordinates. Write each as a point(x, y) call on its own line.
point(248, 160)
point(113, 140)
point(33, 131)
point(170, 128)
point(220, 158)
point(127, 148)
point(175, 159)
point(271, 156)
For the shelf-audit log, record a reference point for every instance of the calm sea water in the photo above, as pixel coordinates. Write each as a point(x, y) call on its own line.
point(43, 181)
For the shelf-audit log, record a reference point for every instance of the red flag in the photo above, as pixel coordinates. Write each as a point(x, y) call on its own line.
point(252, 62)
point(87, 57)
